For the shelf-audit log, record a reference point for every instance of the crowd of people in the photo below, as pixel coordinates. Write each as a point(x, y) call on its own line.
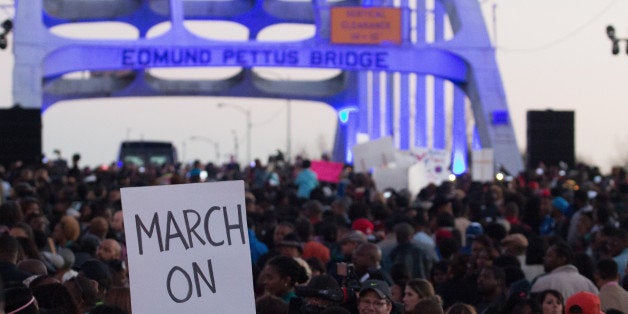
point(549, 240)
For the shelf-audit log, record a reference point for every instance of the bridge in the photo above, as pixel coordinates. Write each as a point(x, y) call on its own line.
point(416, 88)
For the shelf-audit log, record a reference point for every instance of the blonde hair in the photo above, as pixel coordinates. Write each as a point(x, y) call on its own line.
point(70, 228)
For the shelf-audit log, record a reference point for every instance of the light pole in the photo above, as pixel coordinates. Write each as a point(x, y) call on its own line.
point(284, 78)
point(210, 141)
point(288, 129)
point(249, 126)
point(610, 32)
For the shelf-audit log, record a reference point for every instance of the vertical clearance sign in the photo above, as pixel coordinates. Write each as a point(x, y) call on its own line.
point(188, 248)
point(365, 25)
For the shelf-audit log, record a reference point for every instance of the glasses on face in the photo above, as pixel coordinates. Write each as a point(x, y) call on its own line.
point(373, 302)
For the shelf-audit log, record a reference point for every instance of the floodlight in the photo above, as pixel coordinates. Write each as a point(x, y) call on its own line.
point(7, 25)
point(610, 31)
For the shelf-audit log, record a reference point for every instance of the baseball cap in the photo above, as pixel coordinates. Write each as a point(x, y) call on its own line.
point(473, 230)
point(364, 225)
point(380, 287)
point(561, 204)
point(583, 302)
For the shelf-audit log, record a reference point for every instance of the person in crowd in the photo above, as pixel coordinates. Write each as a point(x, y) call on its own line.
point(320, 293)
point(491, 290)
point(280, 276)
point(561, 274)
point(461, 308)
point(119, 297)
point(427, 306)
point(109, 250)
point(583, 303)
point(66, 232)
point(582, 205)
point(84, 291)
point(117, 226)
point(282, 229)
point(290, 246)
point(9, 248)
point(99, 272)
point(107, 309)
point(306, 180)
point(366, 259)
point(460, 286)
point(349, 242)
point(535, 252)
point(18, 298)
point(397, 290)
point(417, 290)
point(270, 304)
point(10, 214)
point(617, 246)
point(612, 295)
point(375, 297)
point(55, 297)
point(414, 258)
point(551, 301)
point(33, 266)
point(65, 263)
point(515, 245)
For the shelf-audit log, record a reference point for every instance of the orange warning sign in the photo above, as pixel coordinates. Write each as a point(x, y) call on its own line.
point(365, 25)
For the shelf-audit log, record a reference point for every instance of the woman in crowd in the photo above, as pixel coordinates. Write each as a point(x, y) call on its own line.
point(415, 291)
point(280, 275)
point(551, 302)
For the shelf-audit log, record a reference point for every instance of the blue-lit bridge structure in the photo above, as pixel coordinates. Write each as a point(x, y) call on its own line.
point(390, 89)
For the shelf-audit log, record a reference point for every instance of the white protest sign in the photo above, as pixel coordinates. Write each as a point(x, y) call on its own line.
point(432, 166)
point(373, 154)
point(390, 177)
point(483, 169)
point(188, 248)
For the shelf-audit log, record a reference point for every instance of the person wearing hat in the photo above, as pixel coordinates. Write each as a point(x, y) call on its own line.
point(583, 303)
point(365, 226)
point(290, 246)
point(321, 292)
point(350, 241)
point(375, 298)
point(474, 229)
point(515, 245)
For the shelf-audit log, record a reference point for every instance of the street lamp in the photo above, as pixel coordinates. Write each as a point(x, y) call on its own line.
point(210, 141)
point(249, 126)
point(610, 32)
point(285, 78)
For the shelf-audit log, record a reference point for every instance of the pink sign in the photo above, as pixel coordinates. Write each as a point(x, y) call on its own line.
point(327, 171)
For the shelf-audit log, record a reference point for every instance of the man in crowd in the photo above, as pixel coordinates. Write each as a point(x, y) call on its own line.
point(561, 274)
point(612, 295)
point(367, 258)
point(375, 298)
point(491, 290)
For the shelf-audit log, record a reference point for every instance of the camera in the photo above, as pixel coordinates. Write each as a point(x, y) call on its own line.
point(334, 295)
